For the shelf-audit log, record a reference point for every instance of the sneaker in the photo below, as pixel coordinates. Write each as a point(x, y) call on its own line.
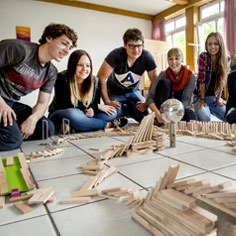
point(120, 122)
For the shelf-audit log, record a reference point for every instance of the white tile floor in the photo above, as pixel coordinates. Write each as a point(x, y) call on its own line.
point(199, 158)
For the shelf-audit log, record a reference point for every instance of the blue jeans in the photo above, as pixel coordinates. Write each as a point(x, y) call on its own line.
point(128, 103)
point(10, 136)
point(204, 113)
point(79, 121)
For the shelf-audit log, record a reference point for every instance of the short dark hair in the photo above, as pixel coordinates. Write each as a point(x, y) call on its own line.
point(133, 34)
point(57, 30)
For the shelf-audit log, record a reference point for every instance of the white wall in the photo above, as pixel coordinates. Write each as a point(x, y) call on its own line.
point(98, 32)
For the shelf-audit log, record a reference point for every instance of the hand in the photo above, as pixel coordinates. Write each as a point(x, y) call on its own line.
point(221, 102)
point(114, 104)
point(89, 112)
point(141, 106)
point(109, 110)
point(159, 118)
point(6, 113)
point(28, 127)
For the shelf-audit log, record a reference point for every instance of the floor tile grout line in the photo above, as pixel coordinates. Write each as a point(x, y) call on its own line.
point(132, 180)
point(218, 168)
point(182, 141)
point(18, 221)
point(58, 176)
point(76, 206)
point(52, 221)
point(223, 176)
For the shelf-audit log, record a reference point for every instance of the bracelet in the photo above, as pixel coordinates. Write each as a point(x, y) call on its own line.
point(202, 99)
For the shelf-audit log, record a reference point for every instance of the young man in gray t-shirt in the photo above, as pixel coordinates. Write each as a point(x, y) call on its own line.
point(26, 67)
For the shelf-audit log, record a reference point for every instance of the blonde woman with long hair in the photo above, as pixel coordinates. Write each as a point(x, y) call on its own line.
point(77, 97)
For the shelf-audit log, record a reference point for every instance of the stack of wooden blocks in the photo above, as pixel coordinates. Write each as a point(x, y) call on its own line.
point(33, 197)
point(46, 153)
point(212, 130)
point(170, 207)
point(24, 170)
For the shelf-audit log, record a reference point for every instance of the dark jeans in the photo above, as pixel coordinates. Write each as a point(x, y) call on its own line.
point(231, 118)
point(164, 91)
point(10, 136)
point(128, 103)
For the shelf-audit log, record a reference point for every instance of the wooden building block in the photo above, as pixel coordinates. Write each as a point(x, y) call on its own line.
point(28, 178)
point(178, 197)
point(189, 185)
point(214, 188)
point(146, 224)
point(190, 218)
point(143, 145)
point(221, 194)
point(4, 189)
point(177, 205)
point(216, 208)
point(206, 214)
point(100, 177)
point(85, 193)
point(163, 228)
point(20, 198)
point(230, 205)
point(22, 160)
point(111, 170)
point(95, 149)
point(90, 172)
point(169, 177)
point(90, 167)
point(109, 190)
point(168, 224)
point(23, 207)
point(108, 155)
point(180, 183)
point(225, 199)
point(2, 201)
point(3, 178)
point(2, 169)
point(89, 183)
point(41, 196)
point(197, 189)
point(10, 161)
point(76, 200)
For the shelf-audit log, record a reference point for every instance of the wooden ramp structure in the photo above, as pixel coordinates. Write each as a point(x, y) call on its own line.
point(170, 207)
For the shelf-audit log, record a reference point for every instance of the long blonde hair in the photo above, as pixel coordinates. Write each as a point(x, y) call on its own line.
point(85, 94)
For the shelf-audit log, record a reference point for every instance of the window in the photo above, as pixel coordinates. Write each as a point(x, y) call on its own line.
point(211, 20)
point(175, 33)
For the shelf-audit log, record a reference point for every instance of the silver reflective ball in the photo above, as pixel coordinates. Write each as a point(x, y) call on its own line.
point(172, 110)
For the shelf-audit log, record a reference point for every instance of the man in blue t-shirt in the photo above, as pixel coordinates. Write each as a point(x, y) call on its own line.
point(26, 67)
point(121, 73)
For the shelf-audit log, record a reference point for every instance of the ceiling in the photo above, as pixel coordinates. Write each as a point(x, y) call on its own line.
point(150, 7)
point(146, 9)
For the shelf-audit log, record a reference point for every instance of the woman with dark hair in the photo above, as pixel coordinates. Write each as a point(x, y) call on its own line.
point(77, 97)
point(212, 76)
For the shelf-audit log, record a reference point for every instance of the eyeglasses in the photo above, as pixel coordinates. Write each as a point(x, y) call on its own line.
point(133, 46)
